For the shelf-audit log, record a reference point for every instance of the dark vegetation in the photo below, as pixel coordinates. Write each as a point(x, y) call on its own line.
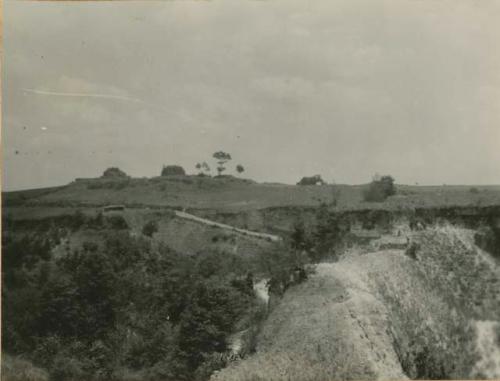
point(150, 228)
point(203, 169)
point(412, 250)
point(474, 190)
point(121, 307)
point(222, 158)
point(324, 239)
point(311, 180)
point(379, 189)
point(173, 170)
point(488, 238)
point(240, 169)
point(114, 173)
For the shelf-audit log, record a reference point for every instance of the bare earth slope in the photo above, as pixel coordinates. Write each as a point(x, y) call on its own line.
point(331, 327)
point(383, 315)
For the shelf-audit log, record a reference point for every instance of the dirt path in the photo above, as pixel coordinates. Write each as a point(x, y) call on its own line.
point(204, 221)
point(330, 327)
point(367, 319)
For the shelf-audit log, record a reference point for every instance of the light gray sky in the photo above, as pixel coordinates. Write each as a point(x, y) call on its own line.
point(288, 87)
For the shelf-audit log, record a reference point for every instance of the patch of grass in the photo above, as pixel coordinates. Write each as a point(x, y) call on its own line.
point(18, 369)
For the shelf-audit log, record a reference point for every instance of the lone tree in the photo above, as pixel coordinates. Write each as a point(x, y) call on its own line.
point(173, 170)
point(222, 158)
point(379, 189)
point(240, 168)
point(114, 173)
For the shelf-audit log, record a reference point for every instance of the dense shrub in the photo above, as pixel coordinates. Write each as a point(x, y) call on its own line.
point(119, 307)
point(114, 173)
point(116, 222)
point(323, 240)
point(150, 228)
point(172, 170)
point(379, 189)
point(281, 265)
point(412, 249)
point(488, 238)
point(327, 235)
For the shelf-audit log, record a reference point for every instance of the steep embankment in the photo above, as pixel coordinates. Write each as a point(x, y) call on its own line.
point(331, 327)
point(385, 315)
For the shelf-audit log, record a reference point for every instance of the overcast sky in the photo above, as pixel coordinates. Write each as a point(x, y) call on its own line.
point(345, 89)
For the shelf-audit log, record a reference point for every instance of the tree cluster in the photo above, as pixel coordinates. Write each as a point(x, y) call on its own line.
point(323, 239)
point(173, 170)
point(117, 305)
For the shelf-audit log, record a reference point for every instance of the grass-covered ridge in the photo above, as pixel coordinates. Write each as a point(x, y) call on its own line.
point(234, 194)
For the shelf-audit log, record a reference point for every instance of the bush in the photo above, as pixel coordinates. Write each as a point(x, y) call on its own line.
point(327, 235)
point(379, 189)
point(411, 251)
point(117, 222)
point(488, 239)
point(114, 173)
point(173, 170)
point(150, 228)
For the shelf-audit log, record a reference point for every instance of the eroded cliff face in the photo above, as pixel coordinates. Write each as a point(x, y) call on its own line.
point(283, 219)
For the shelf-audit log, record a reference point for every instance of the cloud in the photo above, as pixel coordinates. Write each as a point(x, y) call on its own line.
point(83, 95)
point(72, 87)
point(353, 85)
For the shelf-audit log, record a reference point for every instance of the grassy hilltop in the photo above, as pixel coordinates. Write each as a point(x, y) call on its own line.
point(233, 194)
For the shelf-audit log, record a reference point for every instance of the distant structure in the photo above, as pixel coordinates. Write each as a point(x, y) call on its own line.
point(173, 170)
point(311, 180)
